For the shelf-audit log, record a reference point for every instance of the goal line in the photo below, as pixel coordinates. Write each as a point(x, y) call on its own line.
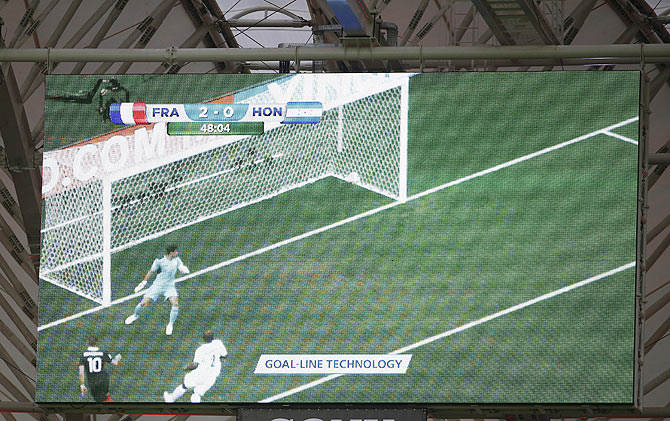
point(353, 218)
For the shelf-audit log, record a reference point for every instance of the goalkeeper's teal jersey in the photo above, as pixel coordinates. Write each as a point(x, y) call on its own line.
point(166, 270)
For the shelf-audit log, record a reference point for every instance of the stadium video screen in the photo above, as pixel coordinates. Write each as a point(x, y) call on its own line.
point(446, 238)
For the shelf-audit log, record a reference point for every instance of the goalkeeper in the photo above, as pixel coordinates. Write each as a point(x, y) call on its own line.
point(166, 269)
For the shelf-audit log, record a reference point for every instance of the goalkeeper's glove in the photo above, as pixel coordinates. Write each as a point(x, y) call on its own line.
point(140, 286)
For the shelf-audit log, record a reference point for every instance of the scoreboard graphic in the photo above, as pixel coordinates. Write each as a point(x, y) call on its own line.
point(289, 113)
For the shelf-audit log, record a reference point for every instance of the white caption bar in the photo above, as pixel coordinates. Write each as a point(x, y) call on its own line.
point(333, 364)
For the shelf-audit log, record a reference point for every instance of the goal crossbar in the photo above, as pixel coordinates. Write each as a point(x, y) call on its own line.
point(370, 118)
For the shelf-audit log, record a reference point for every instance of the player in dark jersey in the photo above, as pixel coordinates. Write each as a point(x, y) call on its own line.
point(92, 369)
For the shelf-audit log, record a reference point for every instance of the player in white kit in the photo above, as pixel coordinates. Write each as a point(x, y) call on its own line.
point(203, 371)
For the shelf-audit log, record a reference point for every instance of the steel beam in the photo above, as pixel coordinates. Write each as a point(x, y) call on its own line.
point(87, 25)
point(653, 233)
point(633, 53)
point(657, 381)
point(51, 42)
point(147, 26)
point(436, 411)
point(191, 41)
point(537, 19)
point(267, 23)
point(18, 293)
point(655, 337)
point(418, 14)
point(641, 232)
point(23, 23)
point(658, 252)
point(225, 30)
point(488, 14)
point(200, 15)
point(35, 23)
point(113, 15)
point(659, 158)
point(29, 331)
point(660, 168)
point(574, 23)
point(265, 9)
point(20, 156)
point(657, 305)
point(26, 381)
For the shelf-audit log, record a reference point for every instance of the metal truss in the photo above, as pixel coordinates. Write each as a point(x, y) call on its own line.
point(431, 35)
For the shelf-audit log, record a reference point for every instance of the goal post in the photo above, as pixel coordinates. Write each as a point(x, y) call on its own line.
point(379, 165)
point(361, 139)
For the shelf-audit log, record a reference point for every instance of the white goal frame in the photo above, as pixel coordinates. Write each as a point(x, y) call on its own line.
point(387, 82)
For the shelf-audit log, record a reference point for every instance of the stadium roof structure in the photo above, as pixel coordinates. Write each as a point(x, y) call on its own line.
point(252, 36)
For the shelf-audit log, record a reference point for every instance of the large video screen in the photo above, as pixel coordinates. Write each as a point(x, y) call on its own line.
point(445, 238)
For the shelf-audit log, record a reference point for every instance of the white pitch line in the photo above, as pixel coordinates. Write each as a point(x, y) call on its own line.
point(460, 328)
point(352, 218)
point(620, 137)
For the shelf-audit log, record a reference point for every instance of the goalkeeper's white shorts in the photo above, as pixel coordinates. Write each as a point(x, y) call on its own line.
point(156, 291)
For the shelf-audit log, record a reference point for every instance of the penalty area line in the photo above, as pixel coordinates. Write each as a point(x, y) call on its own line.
point(350, 219)
point(620, 137)
point(460, 328)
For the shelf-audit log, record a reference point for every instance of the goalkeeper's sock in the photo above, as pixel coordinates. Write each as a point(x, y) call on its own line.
point(173, 314)
point(138, 310)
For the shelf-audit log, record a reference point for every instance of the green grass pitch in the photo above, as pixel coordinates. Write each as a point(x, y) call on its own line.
point(412, 271)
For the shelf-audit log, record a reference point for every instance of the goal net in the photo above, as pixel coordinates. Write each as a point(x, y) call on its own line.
point(361, 138)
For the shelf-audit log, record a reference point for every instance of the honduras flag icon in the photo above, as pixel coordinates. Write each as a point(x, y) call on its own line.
point(303, 112)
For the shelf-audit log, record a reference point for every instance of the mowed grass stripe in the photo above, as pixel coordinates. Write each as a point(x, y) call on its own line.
point(507, 257)
point(283, 294)
point(356, 217)
point(462, 328)
point(573, 348)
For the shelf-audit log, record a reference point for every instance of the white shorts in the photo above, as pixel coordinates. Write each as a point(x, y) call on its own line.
point(154, 292)
point(200, 380)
